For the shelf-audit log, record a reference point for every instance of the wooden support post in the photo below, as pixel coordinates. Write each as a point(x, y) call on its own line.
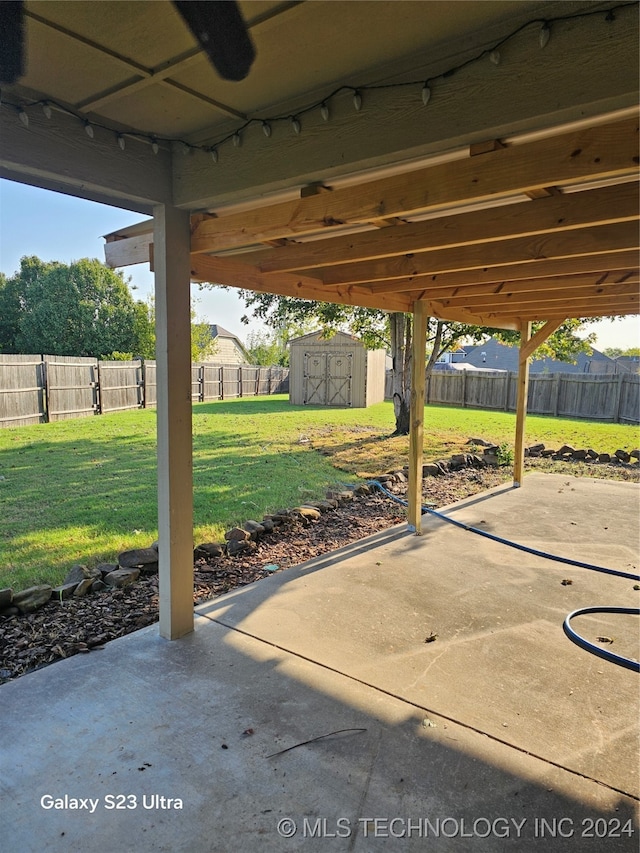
point(416, 429)
point(521, 405)
point(175, 478)
point(528, 345)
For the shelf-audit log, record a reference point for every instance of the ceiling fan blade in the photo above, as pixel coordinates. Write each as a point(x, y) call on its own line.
point(12, 29)
point(222, 34)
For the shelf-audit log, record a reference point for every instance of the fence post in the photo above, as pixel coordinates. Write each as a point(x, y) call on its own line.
point(507, 380)
point(221, 375)
point(464, 388)
point(618, 398)
point(556, 394)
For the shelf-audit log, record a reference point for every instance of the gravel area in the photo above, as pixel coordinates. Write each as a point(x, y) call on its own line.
point(82, 626)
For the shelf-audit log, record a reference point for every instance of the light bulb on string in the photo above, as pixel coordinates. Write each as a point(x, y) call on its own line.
point(121, 142)
point(295, 124)
point(357, 100)
point(46, 109)
point(545, 34)
point(266, 129)
point(24, 118)
point(426, 93)
point(494, 57)
point(214, 155)
point(324, 111)
point(237, 140)
point(154, 145)
point(88, 129)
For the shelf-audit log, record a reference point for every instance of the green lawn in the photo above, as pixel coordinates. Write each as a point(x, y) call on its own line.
point(83, 490)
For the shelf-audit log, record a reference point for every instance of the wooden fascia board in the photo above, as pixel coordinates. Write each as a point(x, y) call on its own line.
point(549, 214)
point(236, 274)
point(586, 241)
point(621, 305)
point(542, 268)
point(598, 152)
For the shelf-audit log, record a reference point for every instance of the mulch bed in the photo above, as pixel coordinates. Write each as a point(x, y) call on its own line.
point(62, 629)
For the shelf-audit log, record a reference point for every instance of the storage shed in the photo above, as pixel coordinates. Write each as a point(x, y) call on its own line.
point(336, 371)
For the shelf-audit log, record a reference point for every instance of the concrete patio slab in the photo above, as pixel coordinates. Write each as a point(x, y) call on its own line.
point(498, 735)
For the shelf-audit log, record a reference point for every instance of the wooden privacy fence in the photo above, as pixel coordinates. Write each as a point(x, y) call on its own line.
point(36, 389)
point(607, 397)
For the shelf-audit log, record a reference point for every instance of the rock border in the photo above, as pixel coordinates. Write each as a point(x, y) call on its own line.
point(82, 580)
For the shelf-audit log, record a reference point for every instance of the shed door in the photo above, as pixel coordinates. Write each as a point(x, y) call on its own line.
point(315, 379)
point(339, 373)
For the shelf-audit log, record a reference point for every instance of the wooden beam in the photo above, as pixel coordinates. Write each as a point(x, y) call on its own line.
point(527, 348)
point(236, 274)
point(521, 405)
point(596, 153)
point(541, 268)
point(129, 251)
point(175, 475)
point(516, 303)
point(416, 429)
point(594, 240)
point(554, 213)
point(491, 320)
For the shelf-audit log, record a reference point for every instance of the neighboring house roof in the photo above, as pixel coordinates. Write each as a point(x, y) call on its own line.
point(494, 355)
point(234, 349)
point(628, 363)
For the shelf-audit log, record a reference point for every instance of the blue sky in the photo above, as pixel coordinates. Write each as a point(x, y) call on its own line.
point(61, 228)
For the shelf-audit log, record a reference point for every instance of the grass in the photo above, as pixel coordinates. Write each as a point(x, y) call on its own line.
point(83, 490)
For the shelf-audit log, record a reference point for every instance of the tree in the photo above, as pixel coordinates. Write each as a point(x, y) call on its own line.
point(616, 352)
point(394, 332)
point(265, 349)
point(83, 309)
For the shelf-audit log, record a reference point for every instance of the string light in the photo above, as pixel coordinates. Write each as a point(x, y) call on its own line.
point(545, 34)
point(493, 53)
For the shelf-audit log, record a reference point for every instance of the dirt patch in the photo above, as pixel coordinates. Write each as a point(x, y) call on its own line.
point(82, 626)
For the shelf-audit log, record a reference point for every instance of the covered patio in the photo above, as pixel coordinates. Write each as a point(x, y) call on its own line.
point(471, 161)
point(499, 734)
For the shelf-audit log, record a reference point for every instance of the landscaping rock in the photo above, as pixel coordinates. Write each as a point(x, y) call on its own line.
point(208, 550)
point(400, 477)
point(566, 450)
point(476, 461)
point(121, 577)
point(604, 457)
point(6, 597)
point(479, 442)
point(137, 557)
point(105, 568)
point(239, 546)
point(623, 456)
point(98, 586)
point(31, 599)
point(65, 591)
point(80, 573)
point(363, 489)
point(237, 534)
point(457, 462)
point(309, 512)
point(83, 587)
point(431, 470)
point(149, 568)
point(536, 449)
point(490, 450)
point(592, 454)
point(254, 528)
point(579, 454)
point(635, 454)
point(547, 452)
point(268, 524)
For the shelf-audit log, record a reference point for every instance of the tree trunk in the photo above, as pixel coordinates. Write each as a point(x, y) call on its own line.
point(400, 325)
